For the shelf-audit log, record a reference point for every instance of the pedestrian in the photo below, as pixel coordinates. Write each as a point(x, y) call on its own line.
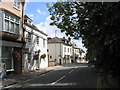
point(4, 74)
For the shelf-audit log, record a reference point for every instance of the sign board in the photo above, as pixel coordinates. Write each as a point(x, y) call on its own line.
point(25, 50)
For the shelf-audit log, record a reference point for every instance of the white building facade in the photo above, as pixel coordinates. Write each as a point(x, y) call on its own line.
point(36, 44)
point(59, 51)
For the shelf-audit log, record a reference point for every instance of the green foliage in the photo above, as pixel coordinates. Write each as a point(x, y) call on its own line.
point(98, 24)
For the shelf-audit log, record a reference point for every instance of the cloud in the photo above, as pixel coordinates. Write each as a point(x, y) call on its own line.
point(40, 12)
point(50, 30)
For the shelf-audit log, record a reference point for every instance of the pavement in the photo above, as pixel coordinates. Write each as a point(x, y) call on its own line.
point(15, 79)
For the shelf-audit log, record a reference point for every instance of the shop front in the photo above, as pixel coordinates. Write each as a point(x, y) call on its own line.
point(11, 54)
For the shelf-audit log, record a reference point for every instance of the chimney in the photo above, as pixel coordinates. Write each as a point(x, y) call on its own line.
point(69, 39)
point(49, 38)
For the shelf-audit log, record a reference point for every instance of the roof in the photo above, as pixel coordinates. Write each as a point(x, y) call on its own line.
point(82, 51)
point(59, 40)
point(35, 28)
point(32, 25)
point(55, 40)
point(25, 16)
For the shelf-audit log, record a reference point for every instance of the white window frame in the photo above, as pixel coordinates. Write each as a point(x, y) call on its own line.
point(43, 42)
point(64, 49)
point(37, 40)
point(29, 38)
point(14, 21)
point(12, 63)
point(16, 4)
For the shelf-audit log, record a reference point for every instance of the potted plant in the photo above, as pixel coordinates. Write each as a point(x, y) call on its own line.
point(43, 56)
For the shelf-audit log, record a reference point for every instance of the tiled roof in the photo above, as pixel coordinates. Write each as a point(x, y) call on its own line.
point(55, 40)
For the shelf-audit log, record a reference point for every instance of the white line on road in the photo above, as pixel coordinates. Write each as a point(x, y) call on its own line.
point(58, 80)
point(71, 71)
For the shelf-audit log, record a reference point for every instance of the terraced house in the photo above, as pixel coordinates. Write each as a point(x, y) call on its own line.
point(35, 47)
point(62, 51)
point(11, 33)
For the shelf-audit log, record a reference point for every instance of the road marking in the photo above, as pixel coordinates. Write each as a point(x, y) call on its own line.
point(76, 67)
point(19, 83)
point(58, 80)
point(71, 71)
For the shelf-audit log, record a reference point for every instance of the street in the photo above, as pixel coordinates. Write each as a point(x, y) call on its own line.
point(70, 76)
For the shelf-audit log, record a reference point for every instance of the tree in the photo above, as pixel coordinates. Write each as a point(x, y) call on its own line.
point(98, 24)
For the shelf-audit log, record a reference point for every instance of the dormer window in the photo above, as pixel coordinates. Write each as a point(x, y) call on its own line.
point(29, 22)
point(16, 4)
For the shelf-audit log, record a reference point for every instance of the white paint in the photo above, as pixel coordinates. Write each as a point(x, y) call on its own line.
point(33, 46)
point(71, 71)
point(58, 80)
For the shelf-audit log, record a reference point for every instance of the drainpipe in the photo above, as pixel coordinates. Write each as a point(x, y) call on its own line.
point(22, 60)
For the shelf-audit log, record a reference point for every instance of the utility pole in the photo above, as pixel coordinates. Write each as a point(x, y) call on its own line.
point(55, 48)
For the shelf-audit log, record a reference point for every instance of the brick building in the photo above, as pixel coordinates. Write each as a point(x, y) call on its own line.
point(11, 33)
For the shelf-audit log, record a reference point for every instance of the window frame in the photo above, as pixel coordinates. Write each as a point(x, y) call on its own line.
point(15, 20)
point(43, 42)
point(16, 4)
point(37, 40)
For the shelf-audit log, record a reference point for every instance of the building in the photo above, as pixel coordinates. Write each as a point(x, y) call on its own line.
point(59, 51)
point(11, 33)
point(36, 43)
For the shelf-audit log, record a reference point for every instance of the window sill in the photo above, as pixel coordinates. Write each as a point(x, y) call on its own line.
point(16, 8)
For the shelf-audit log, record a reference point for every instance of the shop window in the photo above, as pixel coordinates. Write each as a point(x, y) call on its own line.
point(7, 56)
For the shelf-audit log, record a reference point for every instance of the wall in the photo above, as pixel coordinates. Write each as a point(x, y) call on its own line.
point(54, 51)
point(67, 53)
point(35, 47)
point(9, 6)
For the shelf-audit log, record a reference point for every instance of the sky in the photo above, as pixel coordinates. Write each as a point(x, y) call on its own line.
point(39, 13)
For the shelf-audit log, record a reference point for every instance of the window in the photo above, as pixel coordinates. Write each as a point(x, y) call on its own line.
point(64, 49)
point(68, 49)
point(29, 38)
point(11, 23)
point(17, 28)
point(37, 39)
point(7, 56)
point(43, 42)
point(6, 25)
point(17, 4)
point(12, 27)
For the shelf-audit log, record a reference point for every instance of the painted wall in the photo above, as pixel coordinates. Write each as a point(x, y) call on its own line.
point(57, 50)
point(33, 46)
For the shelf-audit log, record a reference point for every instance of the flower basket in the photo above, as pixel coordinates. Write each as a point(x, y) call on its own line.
point(43, 56)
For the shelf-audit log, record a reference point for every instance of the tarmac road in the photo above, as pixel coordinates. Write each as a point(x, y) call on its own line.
point(70, 76)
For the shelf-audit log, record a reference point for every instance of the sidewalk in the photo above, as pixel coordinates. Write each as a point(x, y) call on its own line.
point(14, 79)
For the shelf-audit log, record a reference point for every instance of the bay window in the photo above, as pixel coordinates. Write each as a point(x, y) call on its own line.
point(11, 23)
point(17, 4)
